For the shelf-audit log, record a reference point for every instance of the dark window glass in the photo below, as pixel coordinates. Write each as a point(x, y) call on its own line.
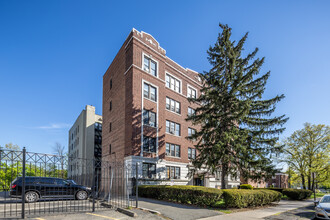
point(149, 144)
point(173, 150)
point(149, 170)
point(191, 153)
point(173, 128)
point(149, 118)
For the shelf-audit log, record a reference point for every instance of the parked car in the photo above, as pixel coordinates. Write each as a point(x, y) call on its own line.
point(48, 187)
point(322, 208)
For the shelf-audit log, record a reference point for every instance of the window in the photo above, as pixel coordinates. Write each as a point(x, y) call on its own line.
point(110, 105)
point(150, 66)
point(149, 118)
point(173, 83)
point(149, 92)
point(173, 105)
point(191, 132)
point(191, 153)
point(172, 172)
point(173, 150)
point(149, 144)
point(110, 149)
point(110, 127)
point(60, 182)
point(149, 170)
point(191, 92)
point(98, 139)
point(191, 111)
point(110, 84)
point(173, 128)
point(98, 126)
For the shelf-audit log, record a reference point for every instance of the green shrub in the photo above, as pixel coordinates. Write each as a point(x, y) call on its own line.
point(241, 198)
point(276, 189)
point(195, 195)
point(246, 186)
point(297, 194)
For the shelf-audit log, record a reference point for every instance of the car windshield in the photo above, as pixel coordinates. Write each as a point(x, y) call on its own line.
point(325, 199)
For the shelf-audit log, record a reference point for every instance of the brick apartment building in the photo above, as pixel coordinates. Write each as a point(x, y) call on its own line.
point(144, 110)
point(280, 180)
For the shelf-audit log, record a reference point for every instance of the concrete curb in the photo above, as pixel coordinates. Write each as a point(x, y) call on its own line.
point(150, 210)
point(127, 212)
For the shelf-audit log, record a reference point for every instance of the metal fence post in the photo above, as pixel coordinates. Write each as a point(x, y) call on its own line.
point(126, 182)
point(23, 184)
point(137, 185)
point(93, 185)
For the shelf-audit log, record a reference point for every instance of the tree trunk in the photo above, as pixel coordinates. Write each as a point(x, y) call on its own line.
point(303, 181)
point(224, 171)
point(309, 182)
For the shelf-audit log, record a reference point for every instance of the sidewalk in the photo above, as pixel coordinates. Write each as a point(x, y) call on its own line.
point(284, 205)
point(177, 211)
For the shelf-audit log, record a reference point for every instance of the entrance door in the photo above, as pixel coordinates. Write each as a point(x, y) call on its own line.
point(199, 181)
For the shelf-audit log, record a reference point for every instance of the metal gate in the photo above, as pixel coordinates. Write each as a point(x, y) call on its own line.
point(34, 184)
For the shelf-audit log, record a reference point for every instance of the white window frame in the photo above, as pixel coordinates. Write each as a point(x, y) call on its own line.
point(170, 168)
point(191, 129)
point(191, 150)
point(174, 128)
point(175, 107)
point(150, 85)
point(175, 151)
point(191, 88)
point(193, 110)
point(176, 78)
point(151, 58)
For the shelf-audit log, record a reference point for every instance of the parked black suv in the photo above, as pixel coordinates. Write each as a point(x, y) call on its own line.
point(48, 187)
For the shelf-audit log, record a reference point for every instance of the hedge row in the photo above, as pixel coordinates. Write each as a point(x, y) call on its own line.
point(195, 195)
point(241, 198)
point(297, 194)
point(245, 186)
point(276, 189)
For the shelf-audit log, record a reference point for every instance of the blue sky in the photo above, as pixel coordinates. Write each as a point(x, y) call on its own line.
point(53, 55)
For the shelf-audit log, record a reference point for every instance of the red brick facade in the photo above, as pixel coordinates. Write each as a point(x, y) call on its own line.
point(280, 180)
point(128, 77)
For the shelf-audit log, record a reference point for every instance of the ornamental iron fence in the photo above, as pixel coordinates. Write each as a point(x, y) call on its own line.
point(33, 184)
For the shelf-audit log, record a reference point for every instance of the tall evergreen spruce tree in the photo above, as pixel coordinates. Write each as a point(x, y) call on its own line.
point(237, 130)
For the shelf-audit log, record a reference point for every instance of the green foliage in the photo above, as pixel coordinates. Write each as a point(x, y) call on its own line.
point(11, 167)
point(194, 195)
point(307, 151)
point(276, 189)
point(237, 130)
point(246, 186)
point(297, 194)
point(242, 198)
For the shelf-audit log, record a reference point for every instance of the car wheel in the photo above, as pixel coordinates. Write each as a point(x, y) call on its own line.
point(81, 195)
point(31, 197)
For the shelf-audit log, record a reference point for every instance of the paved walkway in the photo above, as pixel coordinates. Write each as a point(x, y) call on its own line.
point(283, 206)
point(177, 211)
